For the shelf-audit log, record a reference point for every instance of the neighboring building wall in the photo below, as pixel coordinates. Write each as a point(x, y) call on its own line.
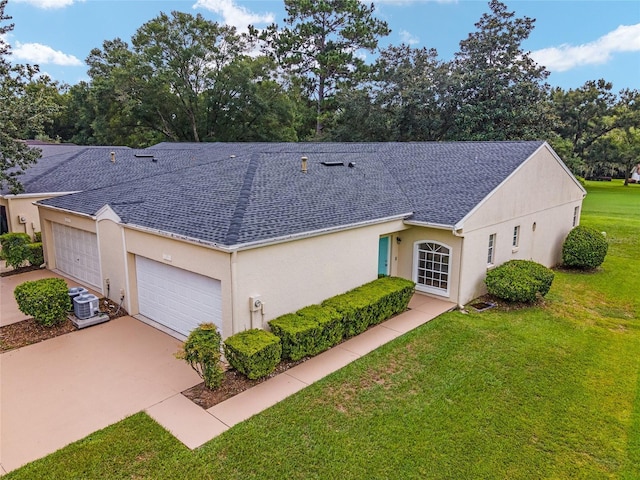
point(292, 275)
point(19, 207)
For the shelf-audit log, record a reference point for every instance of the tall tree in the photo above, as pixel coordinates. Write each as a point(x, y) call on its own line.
point(501, 90)
point(186, 78)
point(25, 106)
point(582, 117)
point(320, 45)
point(407, 99)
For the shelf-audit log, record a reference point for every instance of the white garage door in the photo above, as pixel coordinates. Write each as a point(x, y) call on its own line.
point(176, 298)
point(77, 254)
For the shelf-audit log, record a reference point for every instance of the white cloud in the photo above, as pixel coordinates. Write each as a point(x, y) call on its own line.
point(233, 14)
point(625, 38)
point(408, 38)
point(47, 4)
point(43, 55)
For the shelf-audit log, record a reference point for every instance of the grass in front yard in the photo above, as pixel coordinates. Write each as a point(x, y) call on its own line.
point(546, 392)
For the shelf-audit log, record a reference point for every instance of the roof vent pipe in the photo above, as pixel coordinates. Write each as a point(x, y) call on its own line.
point(304, 164)
point(113, 157)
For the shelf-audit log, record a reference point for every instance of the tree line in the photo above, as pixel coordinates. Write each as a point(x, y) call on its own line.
point(183, 78)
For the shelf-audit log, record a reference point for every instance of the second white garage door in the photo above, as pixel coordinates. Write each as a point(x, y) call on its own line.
point(176, 298)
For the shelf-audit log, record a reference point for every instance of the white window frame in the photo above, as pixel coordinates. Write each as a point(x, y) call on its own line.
point(516, 236)
point(576, 215)
point(416, 267)
point(491, 251)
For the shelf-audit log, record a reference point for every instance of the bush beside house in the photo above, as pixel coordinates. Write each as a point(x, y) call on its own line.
point(317, 328)
point(584, 248)
point(46, 300)
point(255, 352)
point(519, 281)
point(17, 249)
point(201, 350)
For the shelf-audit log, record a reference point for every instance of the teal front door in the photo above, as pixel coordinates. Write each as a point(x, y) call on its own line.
point(383, 255)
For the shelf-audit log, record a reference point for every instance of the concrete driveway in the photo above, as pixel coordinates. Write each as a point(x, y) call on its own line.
point(58, 391)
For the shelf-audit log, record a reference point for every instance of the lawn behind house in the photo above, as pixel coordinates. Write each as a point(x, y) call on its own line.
point(546, 392)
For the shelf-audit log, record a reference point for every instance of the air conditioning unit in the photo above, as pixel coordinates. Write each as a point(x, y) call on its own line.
point(76, 291)
point(86, 306)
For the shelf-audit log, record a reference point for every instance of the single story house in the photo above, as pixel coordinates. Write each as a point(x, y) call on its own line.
point(259, 230)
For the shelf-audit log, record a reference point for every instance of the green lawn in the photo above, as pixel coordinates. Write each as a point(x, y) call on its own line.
point(548, 392)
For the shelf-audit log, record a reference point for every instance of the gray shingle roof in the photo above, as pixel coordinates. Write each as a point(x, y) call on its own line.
point(91, 167)
point(230, 194)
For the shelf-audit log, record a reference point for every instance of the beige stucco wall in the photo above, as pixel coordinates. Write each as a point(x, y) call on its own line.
point(22, 206)
point(292, 275)
point(540, 197)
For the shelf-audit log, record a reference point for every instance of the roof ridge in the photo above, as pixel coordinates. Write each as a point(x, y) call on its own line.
point(243, 201)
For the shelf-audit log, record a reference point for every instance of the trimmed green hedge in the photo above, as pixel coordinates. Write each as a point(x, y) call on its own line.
point(35, 254)
point(371, 303)
point(585, 248)
point(519, 281)
point(317, 328)
point(46, 300)
point(256, 352)
point(308, 332)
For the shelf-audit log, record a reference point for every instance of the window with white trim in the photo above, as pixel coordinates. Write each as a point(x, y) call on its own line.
point(576, 216)
point(432, 264)
point(491, 252)
point(516, 236)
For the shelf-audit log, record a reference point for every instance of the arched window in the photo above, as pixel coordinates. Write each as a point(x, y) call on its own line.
point(432, 261)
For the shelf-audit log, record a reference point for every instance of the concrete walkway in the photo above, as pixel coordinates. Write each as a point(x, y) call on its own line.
point(63, 389)
point(194, 426)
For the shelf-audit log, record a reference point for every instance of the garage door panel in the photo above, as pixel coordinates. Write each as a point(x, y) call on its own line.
point(177, 298)
point(76, 253)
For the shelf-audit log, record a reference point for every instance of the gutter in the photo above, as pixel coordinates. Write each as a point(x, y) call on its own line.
point(265, 242)
point(37, 195)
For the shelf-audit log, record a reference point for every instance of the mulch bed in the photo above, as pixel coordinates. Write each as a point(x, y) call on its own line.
point(17, 271)
point(233, 383)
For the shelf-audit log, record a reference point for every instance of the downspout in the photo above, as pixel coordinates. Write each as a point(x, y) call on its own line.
point(455, 234)
point(234, 293)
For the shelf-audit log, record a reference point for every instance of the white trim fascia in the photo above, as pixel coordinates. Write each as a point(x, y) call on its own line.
point(64, 210)
point(266, 242)
point(317, 233)
point(439, 226)
point(36, 195)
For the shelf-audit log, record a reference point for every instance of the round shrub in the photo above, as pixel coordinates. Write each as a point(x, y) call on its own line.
point(519, 281)
point(201, 350)
point(584, 248)
point(46, 300)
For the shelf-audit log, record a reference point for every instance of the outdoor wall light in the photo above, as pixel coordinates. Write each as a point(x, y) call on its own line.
point(398, 240)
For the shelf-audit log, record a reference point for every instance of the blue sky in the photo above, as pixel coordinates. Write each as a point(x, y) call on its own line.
point(577, 40)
